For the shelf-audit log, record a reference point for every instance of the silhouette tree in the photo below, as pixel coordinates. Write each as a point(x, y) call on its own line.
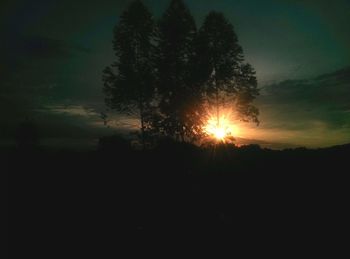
point(221, 68)
point(179, 95)
point(129, 82)
point(247, 91)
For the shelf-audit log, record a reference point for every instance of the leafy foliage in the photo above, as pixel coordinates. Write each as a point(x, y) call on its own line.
point(179, 95)
point(132, 85)
point(221, 67)
point(169, 72)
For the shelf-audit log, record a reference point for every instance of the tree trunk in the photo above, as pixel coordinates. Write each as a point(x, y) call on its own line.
point(143, 133)
point(217, 99)
point(217, 107)
point(141, 108)
point(182, 136)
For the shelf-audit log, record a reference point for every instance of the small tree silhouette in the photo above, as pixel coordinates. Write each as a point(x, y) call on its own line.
point(27, 135)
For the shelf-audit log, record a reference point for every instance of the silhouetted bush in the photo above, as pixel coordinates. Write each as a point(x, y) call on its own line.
point(27, 135)
point(251, 148)
point(114, 143)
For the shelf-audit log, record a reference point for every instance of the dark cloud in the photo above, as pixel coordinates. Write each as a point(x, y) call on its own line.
point(330, 91)
point(303, 104)
point(30, 60)
point(40, 47)
point(27, 48)
point(56, 18)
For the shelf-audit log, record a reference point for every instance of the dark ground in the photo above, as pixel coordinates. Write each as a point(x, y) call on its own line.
point(91, 202)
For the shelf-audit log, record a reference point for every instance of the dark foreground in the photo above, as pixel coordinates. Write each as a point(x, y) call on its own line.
point(93, 202)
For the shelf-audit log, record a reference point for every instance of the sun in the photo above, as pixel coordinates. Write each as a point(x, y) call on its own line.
point(219, 133)
point(221, 129)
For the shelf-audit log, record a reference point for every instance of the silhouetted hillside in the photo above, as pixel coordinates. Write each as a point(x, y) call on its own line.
point(89, 198)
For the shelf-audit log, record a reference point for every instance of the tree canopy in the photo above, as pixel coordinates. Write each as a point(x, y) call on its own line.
point(129, 83)
point(170, 72)
point(221, 68)
point(179, 95)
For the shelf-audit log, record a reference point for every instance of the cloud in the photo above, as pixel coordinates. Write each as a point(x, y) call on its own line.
point(38, 70)
point(33, 61)
point(74, 110)
point(312, 112)
point(329, 92)
point(39, 47)
point(93, 116)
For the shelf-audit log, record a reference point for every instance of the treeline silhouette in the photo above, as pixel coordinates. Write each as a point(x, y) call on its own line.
point(175, 189)
point(172, 75)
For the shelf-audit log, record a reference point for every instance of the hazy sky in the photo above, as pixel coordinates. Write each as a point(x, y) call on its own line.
point(52, 54)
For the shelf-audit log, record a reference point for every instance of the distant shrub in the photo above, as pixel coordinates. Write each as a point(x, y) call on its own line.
point(27, 135)
point(251, 147)
point(113, 143)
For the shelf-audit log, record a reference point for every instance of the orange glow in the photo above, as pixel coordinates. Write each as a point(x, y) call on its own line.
point(221, 129)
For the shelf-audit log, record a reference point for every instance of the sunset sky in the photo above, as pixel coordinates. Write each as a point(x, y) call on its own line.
point(52, 54)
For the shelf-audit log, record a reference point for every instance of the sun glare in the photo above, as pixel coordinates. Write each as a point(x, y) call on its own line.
point(219, 133)
point(222, 129)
